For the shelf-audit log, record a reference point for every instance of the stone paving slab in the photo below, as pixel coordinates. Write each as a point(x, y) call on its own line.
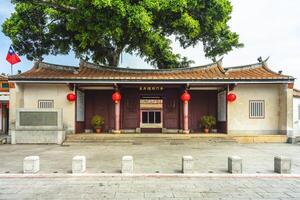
point(150, 157)
point(146, 188)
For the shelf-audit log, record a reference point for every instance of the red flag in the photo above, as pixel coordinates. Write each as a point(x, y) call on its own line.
point(12, 57)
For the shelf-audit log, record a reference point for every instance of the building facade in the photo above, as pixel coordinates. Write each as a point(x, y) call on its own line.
point(4, 104)
point(296, 113)
point(152, 101)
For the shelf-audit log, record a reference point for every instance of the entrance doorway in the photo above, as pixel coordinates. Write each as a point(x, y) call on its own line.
point(151, 114)
point(3, 118)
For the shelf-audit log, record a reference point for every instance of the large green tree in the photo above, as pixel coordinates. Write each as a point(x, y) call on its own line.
point(103, 29)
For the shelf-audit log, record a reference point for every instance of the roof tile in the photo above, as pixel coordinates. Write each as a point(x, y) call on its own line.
point(89, 71)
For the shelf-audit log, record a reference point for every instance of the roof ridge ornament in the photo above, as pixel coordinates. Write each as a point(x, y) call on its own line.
point(220, 65)
point(36, 64)
point(220, 61)
point(264, 62)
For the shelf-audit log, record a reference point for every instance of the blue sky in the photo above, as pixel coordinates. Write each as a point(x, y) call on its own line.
point(266, 27)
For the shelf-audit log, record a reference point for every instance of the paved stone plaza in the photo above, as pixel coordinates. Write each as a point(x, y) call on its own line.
point(54, 180)
point(150, 157)
point(152, 188)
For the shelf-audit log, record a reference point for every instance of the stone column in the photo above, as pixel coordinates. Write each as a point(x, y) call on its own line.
point(286, 111)
point(186, 117)
point(117, 117)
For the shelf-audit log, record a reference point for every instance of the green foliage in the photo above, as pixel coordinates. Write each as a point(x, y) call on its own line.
point(97, 121)
point(208, 121)
point(103, 29)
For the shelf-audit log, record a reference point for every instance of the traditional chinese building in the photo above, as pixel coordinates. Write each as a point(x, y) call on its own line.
point(296, 113)
point(4, 104)
point(250, 99)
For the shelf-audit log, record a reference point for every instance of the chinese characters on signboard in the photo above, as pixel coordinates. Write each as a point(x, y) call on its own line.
point(151, 88)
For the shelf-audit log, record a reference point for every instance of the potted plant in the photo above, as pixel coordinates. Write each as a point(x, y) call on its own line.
point(97, 122)
point(207, 122)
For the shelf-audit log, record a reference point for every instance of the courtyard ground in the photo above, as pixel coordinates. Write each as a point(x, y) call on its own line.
point(150, 157)
point(150, 188)
point(161, 159)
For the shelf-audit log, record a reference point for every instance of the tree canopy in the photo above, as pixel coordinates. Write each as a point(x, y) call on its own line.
point(103, 29)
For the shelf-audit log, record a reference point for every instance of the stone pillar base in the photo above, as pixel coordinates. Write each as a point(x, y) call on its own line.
point(185, 131)
point(293, 140)
point(116, 131)
point(138, 130)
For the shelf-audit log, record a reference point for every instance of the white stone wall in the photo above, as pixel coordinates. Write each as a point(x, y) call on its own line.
point(27, 96)
point(277, 113)
point(16, 100)
point(296, 120)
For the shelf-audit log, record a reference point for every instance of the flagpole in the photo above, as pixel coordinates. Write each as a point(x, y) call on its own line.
point(11, 69)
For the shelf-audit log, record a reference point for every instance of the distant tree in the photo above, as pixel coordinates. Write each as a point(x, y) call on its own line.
point(103, 29)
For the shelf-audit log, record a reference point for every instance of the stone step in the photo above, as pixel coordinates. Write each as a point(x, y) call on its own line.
point(144, 139)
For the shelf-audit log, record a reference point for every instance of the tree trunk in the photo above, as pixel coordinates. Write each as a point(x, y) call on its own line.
point(113, 60)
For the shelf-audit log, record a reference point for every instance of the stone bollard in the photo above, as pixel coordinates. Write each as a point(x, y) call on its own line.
point(127, 164)
point(78, 164)
point(235, 165)
point(187, 164)
point(282, 165)
point(31, 164)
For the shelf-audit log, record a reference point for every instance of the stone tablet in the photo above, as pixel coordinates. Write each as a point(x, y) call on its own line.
point(38, 118)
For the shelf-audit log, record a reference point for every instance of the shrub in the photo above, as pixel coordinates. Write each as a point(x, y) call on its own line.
point(208, 121)
point(97, 121)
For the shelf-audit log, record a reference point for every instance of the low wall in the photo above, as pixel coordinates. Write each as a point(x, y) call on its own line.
point(38, 126)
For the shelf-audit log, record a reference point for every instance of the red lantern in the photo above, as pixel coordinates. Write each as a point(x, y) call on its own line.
point(185, 97)
point(71, 97)
point(116, 97)
point(231, 97)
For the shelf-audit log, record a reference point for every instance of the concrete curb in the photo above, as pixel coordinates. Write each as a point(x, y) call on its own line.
point(154, 175)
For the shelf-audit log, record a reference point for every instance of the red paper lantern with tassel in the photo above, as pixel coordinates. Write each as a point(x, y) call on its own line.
point(116, 97)
point(71, 97)
point(231, 97)
point(185, 97)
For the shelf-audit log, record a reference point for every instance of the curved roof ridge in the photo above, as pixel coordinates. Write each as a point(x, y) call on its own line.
point(243, 67)
point(3, 76)
point(46, 65)
point(296, 92)
point(95, 66)
point(265, 66)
